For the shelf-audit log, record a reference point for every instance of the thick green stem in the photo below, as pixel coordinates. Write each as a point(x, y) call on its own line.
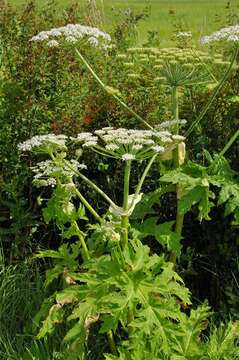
point(175, 109)
point(141, 181)
point(179, 216)
point(125, 218)
point(91, 184)
point(82, 240)
point(229, 143)
point(97, 189)
point(88, 206)
point(214, 95)
point(116, 97)
point(122, 103)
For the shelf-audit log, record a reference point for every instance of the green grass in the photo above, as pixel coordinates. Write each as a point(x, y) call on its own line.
point(199, 16)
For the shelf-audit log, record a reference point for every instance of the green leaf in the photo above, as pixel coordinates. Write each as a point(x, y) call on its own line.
point(55, 316)
point(186, 335)
point(222, 342)
point(198, 195)
point(53, 274)
point(163, 233)
point(109, 323)
point(193, 188)
point(76, 332)
point(145, 206)
point(59, 207)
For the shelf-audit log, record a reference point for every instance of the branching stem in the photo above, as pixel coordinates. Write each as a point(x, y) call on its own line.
point(116, 97)
point(88, 206)
point(179, 216)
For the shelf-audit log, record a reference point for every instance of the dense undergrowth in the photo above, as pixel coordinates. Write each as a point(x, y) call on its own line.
point(163, 287)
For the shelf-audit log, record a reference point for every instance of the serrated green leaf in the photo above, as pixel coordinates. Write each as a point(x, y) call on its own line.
point(76, 332)
point(109, 323)
point(53, 274)
point(55, 316)
point(198, 195)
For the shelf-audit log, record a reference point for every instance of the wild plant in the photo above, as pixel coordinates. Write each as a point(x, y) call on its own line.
point(123, 287)
point(108, 276)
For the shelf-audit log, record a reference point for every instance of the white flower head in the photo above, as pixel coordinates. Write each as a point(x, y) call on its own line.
point(184, 34)
point(38, 141)
point(171, 123)
point(53, 43)
point(127, 157)
point(158, 148)
point(71, 39)
point(93, 41)
point(230, 34)
point(128, 144)
point(90, 143)
point(178, 137)
point(71, 33)
point(84, 136)
point(47, 172)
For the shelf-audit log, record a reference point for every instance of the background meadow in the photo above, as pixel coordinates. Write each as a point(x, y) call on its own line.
point(198, 16)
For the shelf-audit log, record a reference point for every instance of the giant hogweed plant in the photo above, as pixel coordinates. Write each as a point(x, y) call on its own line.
point(124, 284)
point(109, 276)
point(135, 296)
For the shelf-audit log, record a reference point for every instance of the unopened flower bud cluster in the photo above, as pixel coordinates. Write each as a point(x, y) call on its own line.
point(71, 34)
point(170, 66)
point(171, 124)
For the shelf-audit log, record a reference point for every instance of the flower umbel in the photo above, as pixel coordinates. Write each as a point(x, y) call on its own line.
point(128, 144)
point(230, 34)
point(72, 33)
point(47, 172)
point(42, 142)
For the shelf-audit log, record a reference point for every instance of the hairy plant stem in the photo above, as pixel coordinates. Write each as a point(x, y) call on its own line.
point(88, 206)
point(116, 97)
point(179, 217)
point(125, 218)
point(215, 93)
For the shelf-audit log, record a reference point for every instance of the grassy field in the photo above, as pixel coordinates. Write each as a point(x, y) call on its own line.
point(199, 16)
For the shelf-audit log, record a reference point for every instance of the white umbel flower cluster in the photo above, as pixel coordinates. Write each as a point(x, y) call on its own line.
point(40, 141)
point(72, 33)
point(128, 144)
point(46, 172)
point(184, 34)
point(230, 33)
point(171, 123)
